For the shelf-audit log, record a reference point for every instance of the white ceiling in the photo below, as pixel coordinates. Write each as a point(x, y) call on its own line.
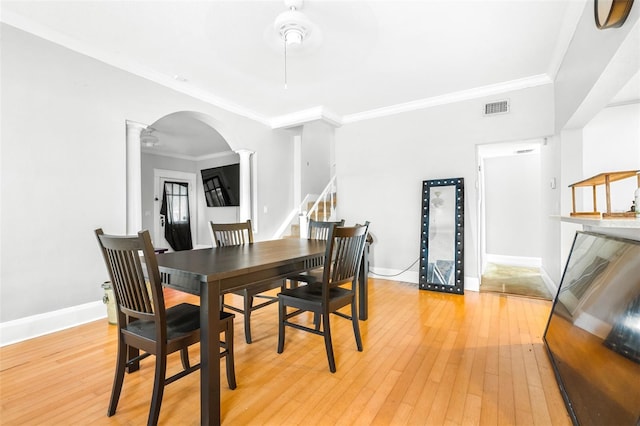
point(372, 54)
point(368, 57)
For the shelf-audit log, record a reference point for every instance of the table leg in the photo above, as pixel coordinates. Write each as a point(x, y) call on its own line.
point(210, 353)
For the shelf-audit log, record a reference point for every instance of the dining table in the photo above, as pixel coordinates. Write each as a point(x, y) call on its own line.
point(211, 272)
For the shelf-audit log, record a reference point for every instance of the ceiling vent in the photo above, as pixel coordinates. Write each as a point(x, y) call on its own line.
point(499, 107)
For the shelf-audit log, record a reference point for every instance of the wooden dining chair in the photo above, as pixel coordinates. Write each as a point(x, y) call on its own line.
point(233, 234)
point(336, 289)
point(317, 230)
point(145, 324)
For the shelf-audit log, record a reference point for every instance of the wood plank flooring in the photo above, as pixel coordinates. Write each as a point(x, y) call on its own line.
point(429, 359)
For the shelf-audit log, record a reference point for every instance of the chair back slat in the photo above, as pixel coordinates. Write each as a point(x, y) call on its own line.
point(122, 256)
point(231, 234)
point(344, 253)
point(320, 230)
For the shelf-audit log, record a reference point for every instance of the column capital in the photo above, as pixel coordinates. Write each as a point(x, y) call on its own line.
point(242, 152)
point(134, 125)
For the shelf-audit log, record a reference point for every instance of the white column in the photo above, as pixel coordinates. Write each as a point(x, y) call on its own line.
point(245, 184)
point(134, 177)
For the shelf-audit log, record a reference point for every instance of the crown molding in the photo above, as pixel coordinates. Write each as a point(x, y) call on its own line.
point(151, 151)
point(449, 98)
point(125, 64)
point(288, 120)
point(305, 116)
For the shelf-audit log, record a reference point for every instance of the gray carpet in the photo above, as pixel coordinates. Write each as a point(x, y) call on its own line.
point(515, 280)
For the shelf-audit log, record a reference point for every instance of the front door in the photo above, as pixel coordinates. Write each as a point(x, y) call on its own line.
point(176, 192)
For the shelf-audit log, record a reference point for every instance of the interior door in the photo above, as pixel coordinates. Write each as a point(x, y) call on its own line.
point(162, 176)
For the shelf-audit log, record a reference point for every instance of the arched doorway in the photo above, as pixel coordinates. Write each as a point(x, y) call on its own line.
point(179, 144)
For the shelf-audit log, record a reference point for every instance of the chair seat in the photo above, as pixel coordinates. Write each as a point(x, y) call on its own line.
point(312, 276)
point(313, 293)
point(182, 319)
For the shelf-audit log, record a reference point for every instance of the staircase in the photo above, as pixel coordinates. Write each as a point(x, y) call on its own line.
point(322, 207)
point(323, 211)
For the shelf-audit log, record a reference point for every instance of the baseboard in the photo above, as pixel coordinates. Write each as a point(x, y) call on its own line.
point(394, 275)
point(470, 283)
point(49, 322)
point(530, 262)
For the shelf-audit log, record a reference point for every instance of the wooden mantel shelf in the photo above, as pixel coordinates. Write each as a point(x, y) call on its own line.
point(603, 179)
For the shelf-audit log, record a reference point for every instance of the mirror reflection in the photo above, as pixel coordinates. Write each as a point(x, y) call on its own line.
point(593, 333)
point(442, 237)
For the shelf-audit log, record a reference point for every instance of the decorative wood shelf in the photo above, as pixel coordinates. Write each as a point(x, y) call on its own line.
point(603, 179)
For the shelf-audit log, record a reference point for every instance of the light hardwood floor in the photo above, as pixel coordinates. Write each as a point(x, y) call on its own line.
point(429, 358)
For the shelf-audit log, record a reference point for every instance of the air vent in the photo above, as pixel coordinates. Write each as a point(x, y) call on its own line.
point(499, 107)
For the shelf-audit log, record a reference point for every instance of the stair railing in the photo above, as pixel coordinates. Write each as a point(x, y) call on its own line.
point(326, 200)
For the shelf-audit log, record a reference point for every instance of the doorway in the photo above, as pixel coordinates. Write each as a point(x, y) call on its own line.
point(509, 176)
point(160, 178)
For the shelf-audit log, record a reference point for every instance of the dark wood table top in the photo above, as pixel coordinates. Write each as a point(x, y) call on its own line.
point(235, 266)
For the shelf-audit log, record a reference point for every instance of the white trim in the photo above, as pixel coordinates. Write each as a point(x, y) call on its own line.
point(305, 116)
point(397, 274)
point(470, 283)
point(296, 118)
point(529, 262)
point(462, 95)
point(151, 151)
point(49, 322)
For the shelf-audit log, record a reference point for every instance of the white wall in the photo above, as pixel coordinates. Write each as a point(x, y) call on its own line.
point(63, 168)
point(587, 73)
point(317, 140)
point(512, 205)
point(215, 214)
point(551, 188)
point(381, 164)
point(611, 142)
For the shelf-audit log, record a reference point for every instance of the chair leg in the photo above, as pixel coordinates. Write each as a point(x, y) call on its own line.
point(248, 303)
point(356, 326)
point(327, 341)
point(118, 379)
point(281, 314)
point(231, 369)
point(316, 320)
point(158, 388)
point(184, 357)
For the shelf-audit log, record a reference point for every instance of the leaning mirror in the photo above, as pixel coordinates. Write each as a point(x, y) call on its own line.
point(442, 237)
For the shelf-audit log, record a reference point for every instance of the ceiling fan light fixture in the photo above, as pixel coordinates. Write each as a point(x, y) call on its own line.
point(292, 26)
point(148, 139)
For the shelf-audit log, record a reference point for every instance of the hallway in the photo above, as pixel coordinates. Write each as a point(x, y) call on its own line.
point(514, 280)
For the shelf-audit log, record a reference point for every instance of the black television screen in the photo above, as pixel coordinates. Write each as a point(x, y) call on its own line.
point(222, 185)
point(593, 332)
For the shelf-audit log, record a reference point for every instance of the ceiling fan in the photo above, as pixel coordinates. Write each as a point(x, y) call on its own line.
point(294, 30)
point(148, 139)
